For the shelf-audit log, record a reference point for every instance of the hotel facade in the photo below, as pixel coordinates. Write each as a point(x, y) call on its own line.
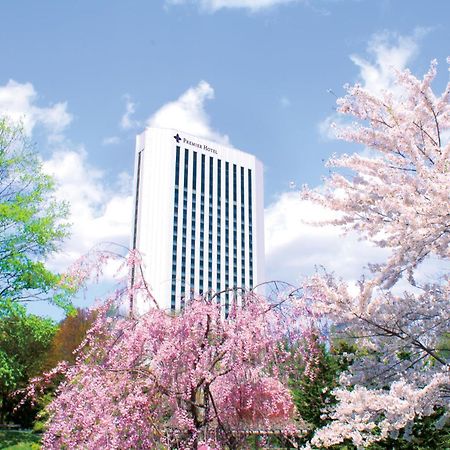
point(198, 218)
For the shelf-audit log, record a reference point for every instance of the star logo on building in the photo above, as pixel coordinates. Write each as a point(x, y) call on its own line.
point(177, 138)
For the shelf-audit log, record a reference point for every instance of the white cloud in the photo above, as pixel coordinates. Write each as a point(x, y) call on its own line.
point(18, 101)
point(127, 122)
point(295, 246)
point(188, 114)
point(215, 5)
point(111, 140)
point(98, 212)
point(388, 51)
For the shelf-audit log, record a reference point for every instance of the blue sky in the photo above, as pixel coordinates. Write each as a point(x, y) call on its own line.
point(85, 77)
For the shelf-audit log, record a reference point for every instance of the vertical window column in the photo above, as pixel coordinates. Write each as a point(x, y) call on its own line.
point(243, 284)
point(184, 233)
point(136, 217)
point(250, 229)
point(210, 225)
point(193, 222)
point(235, 278)
point(136, 203)
point(219, 219)
point(227, 236)
point(202, 225)
point(175, 230)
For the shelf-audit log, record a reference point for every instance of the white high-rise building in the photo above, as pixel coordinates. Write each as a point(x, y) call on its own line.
point(198, 219)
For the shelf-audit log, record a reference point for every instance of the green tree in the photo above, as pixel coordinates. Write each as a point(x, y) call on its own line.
point(24, 342)
point(32, 225)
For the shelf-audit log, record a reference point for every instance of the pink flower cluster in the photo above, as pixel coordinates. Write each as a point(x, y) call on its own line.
point(192, 379)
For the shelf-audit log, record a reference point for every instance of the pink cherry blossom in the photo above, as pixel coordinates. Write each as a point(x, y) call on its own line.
point(193, 379)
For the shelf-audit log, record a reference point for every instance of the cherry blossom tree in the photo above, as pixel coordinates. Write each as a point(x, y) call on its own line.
point(193, 379)
point(396, 193)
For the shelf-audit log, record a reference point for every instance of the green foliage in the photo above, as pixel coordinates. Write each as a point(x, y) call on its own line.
point(38, 426)
point(41, 406)
point(312, 395)
point(424, 435)
point(24, 342)
point(31, 225)
point(19, 440)
point(444, 346)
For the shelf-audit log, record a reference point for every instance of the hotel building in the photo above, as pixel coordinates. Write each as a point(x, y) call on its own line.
point(198, 217)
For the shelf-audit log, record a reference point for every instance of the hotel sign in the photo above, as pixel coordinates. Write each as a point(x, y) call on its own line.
point(204, 147)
